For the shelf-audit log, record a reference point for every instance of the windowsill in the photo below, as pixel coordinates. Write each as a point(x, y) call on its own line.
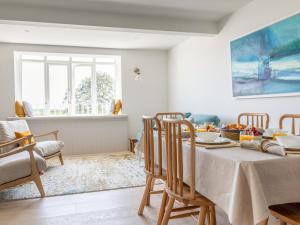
point(101, 117)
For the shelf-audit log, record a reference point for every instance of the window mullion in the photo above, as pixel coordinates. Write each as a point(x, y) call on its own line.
point(47, 87)
point(72, 89)
point(94, 89)
point(71, 102)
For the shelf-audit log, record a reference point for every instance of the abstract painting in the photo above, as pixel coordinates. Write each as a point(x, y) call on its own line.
point(267, 62)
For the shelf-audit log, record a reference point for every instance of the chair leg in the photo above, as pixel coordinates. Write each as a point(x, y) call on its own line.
point(168, 211)
point(212, 215)
point(39, 185)
point(162, 208)
point(202, 215)
point(61, 159)
point(151, 189)
point(145, 195)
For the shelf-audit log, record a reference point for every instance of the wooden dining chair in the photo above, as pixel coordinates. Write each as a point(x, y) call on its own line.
point(293, 117)
point(258, 120)
point(176, 189)
point(171, 115)
point(287, 213)
point(153, 159)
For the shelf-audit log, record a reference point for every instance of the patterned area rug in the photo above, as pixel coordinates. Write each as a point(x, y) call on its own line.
point(82, 174)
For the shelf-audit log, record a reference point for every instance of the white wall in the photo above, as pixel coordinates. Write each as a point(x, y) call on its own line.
point(147, 96)
point(199, 68)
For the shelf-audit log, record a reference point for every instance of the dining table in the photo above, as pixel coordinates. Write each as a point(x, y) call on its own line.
point(244, 183)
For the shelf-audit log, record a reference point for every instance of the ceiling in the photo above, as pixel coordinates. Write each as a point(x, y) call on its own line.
point(212, 10)
point(81, 36)
point(124, 24)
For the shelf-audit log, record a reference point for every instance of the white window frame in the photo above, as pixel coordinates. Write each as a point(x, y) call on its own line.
point(70, 70)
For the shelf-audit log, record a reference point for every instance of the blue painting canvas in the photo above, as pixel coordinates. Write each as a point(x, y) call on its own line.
point(267, 62)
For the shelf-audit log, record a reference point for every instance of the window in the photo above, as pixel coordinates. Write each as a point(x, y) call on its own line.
point(64, 84)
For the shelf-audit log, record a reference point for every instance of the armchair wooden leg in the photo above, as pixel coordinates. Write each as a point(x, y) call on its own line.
point(265, 222)
point(61, 159)
point(208, 217)
point(145, 195)
point(168, 211)
point(202, 215)
point(162, 210)
point(39, 185)
point(212, 215)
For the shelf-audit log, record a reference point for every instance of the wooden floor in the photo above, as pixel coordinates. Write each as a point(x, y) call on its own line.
point(116, 207)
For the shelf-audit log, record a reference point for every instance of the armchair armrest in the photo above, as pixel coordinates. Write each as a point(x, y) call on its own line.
point(54, 133)
point(17, 150)
point(17, 141)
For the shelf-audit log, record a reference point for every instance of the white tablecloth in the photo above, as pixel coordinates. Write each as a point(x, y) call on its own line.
point(245, 182)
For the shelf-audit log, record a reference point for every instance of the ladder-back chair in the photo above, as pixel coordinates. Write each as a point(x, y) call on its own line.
point(258, 120)
point(293, 117)
point(169, 115)
point(153, 159)
point(175, 188)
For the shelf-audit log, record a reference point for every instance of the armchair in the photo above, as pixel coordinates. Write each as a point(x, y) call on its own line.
point(20, 165)
point(47, 149)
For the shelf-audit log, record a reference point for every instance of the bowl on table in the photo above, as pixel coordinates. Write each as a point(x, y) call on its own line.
point(208, 136)
point(289, 142)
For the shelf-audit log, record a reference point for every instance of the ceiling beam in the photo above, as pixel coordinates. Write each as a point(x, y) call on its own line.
point(124, 22)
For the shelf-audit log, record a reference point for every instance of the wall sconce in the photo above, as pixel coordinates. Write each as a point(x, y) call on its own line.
point(137, 73)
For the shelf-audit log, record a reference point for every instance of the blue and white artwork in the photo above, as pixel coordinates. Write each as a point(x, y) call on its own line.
point(267, 62)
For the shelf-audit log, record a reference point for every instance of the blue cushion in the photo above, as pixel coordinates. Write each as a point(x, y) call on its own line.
point(187, 114)
point(203, 118)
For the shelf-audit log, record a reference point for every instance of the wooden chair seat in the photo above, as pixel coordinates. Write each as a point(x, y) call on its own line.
point(287, 213)
point(198, 200)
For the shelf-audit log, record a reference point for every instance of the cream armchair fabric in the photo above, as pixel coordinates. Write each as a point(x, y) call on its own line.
point(46, 149)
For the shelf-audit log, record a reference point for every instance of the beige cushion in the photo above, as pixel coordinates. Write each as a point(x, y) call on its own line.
point(18, 166)
point(8, 129)
point(28, 109)
point(47, 148)
point(6, 133)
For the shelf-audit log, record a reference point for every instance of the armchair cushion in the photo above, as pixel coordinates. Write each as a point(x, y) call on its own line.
point(8, 129)
point(18, 166)
point(47, 148)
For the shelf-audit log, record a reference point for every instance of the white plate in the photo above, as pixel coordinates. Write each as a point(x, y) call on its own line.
point(218, 141)
point(291, 142)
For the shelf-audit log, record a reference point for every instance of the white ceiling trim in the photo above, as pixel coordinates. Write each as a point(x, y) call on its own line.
point(108, 20)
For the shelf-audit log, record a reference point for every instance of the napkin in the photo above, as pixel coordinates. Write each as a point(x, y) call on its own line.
point(252, 145)
point(272, 147)
point(266, 146)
